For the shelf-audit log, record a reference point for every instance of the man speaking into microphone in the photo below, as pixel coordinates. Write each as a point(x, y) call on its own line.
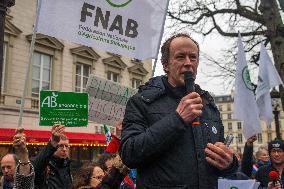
point(172, 131)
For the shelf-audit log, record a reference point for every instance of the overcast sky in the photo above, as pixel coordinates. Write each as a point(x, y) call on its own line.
point(211, 45)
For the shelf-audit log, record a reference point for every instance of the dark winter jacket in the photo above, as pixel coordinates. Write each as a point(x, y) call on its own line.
point(167, 152)
point(262, 175)
point(51, 172)
point(247, 160)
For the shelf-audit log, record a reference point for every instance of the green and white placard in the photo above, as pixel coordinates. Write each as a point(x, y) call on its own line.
point(66, 108)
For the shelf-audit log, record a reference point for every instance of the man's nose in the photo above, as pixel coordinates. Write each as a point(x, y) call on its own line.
point(187, 61)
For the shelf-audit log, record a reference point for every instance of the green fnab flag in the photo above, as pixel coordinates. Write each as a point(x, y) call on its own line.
point(66, 108)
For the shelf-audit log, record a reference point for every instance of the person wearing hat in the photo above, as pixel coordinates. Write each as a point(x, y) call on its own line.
point(276, 153)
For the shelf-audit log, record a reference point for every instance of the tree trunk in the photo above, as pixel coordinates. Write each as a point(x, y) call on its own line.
point(275, 34)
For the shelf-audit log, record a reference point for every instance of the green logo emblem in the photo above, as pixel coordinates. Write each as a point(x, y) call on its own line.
point(117, 5)
point(234, 187)
point(246, 79)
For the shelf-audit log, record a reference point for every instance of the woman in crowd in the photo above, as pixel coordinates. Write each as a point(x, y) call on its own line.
point(91, 176)
point(88, 176)
point(262, 158)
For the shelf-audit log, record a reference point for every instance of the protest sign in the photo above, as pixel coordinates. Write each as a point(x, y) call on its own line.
point(107, 100)
point(66, 108)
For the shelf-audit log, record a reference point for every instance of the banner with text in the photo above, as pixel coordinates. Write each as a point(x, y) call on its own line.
point(66, 108)
point(125, 27)
point(107, 100)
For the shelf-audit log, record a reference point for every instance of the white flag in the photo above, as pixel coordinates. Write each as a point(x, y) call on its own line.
point(237, 184)
point(245, 108)
point(125, 27)
point(268, 78)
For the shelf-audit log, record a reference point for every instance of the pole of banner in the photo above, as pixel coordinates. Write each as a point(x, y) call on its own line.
point(154, 66)
point(160, 40)
point(31, 53)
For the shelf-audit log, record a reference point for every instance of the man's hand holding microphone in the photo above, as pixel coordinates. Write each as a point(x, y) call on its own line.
point(190, 108)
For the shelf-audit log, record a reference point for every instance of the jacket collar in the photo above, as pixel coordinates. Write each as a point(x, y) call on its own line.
point(155, 88)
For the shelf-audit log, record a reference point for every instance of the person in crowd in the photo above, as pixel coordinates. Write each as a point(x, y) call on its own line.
point(24, 174)
point(160, 134)
point(276, 154)
point(106, 161)
point(92, 176)
point(111, 152)
point(52, 164)
point(8, 166)
point(262, 158)
point(247, 160)
point(88, 176)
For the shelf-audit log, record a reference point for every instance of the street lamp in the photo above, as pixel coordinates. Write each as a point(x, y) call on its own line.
point(275, 97)
point(4, 4)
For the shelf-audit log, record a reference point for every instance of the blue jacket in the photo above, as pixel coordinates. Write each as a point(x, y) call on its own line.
point(167, 152)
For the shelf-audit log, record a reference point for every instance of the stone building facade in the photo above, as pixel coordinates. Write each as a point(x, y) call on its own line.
point(56, 65)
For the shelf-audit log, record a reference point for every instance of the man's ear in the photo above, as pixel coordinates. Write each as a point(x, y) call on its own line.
point(165, 67)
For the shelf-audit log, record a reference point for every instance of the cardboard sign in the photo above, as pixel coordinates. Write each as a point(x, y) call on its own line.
point(107, 100)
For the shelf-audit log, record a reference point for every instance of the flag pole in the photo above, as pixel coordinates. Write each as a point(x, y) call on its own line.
point(31, 52)
point(160, 41)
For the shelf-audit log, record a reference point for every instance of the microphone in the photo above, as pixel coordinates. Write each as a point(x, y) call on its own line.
point(274, 176)
point(189, 82)
point(189, 86)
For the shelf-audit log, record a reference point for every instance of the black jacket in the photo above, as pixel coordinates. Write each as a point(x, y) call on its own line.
point(51, 172)
point(167, 152)
point(247, 160)
point(262, 175)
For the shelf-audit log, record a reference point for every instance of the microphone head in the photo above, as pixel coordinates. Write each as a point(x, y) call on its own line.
point(273, 175)
point(188, 75)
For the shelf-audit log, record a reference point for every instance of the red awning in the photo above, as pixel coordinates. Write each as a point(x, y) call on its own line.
point(6, 135)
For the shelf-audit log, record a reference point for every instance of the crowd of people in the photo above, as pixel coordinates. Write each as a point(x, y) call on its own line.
point(172, 137)
point(50, 169)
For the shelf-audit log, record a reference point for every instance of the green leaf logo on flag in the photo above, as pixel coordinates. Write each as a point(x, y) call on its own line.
point(117, 5)
point(107, 134)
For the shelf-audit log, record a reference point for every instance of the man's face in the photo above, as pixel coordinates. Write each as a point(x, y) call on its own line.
point(183, 57)
point(8, 166)
point(277, 156)
point(63, 149)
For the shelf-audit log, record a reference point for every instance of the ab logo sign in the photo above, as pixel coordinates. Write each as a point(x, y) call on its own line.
point(118, 3)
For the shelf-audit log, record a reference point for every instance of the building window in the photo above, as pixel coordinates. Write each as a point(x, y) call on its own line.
point(269, 126)
point(229, 116)
point(220, 108)
point(4, 66)
point(269, 137)
point(82, 74)
point(259, 138)
point(229, 107)
point(230, 126)
point(41, 73)
point(240, 138)
point(239, 125)
point(113, 76)
point(136, 83)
